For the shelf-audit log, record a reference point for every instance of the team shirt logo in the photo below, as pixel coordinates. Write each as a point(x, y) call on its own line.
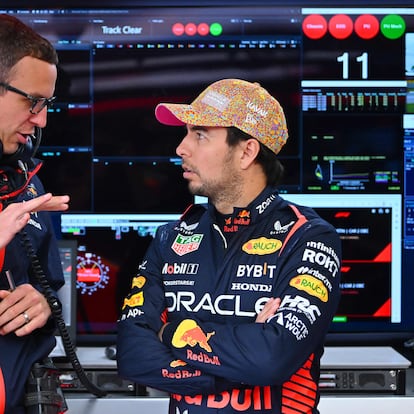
point(189, 333)
point(138, 281)
point(186, 244)
point(262, 246)
point(134, 300)
point(311, 285)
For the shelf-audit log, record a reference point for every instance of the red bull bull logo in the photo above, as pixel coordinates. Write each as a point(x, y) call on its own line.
point(244, 214)
point(243, 218)
point(177, 363)
point(189, 333)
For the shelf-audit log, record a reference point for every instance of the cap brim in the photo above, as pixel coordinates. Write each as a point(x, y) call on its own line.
point(165, 113)
point(181, 114)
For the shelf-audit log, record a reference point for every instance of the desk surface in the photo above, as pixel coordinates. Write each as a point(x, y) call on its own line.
point(360, 357)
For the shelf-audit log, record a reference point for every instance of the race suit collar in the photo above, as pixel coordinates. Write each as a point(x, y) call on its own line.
point(14, 179)
point(243, 216)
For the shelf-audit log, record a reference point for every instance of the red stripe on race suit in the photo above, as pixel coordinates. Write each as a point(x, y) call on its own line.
point(299, 393)
point(301, 221)
point(2, 393)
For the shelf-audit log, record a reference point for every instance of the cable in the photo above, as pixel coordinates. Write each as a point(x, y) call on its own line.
point(56, 309)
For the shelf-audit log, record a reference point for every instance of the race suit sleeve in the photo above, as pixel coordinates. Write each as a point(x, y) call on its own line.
point(141, 357)
point(271, 352)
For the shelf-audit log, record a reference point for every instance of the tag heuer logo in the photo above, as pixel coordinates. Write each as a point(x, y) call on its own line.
point(186, 244)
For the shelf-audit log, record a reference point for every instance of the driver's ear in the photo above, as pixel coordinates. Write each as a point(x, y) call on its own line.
point(250, 149)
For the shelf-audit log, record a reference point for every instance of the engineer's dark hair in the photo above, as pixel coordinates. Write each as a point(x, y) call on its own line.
point(271, 165)
point(17, 41)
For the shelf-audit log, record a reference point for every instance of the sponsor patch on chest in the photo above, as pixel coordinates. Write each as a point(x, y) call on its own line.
point(186, 244)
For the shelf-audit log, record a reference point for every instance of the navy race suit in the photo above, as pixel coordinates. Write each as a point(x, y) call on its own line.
point(17, 354)
point(210, 281)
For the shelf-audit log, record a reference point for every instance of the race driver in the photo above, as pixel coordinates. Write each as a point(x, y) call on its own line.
point(202, 321)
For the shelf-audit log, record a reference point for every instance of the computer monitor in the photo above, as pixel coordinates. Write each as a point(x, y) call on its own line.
point(344, 76)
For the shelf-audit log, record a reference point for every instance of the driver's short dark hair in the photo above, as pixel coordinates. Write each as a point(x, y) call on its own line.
point(271, 165)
